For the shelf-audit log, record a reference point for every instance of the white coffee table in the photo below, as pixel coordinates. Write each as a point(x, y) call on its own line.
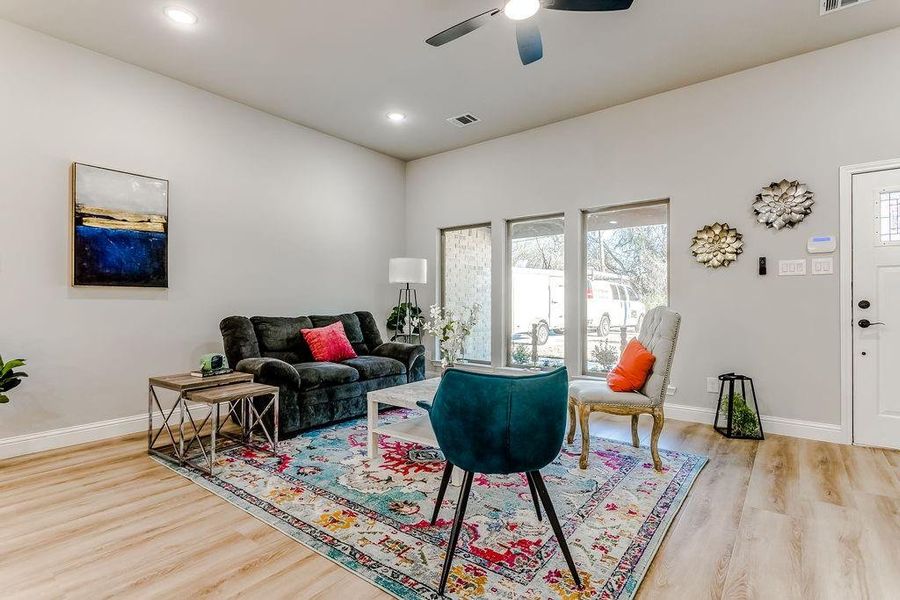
point(416, 429)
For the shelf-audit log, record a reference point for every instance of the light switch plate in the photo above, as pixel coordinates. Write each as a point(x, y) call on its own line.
point(823, 266)
point(712, 385)
point(792, 268)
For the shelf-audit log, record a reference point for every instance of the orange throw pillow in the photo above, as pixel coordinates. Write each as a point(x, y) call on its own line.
point(633, 369)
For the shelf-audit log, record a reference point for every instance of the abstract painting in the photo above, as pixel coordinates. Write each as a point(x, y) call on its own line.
point(120, 228)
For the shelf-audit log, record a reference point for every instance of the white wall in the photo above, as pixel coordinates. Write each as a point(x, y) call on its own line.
point(709, 148)
point(266, 217)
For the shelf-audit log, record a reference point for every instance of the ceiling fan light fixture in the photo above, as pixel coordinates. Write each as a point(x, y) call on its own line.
point(518, 10)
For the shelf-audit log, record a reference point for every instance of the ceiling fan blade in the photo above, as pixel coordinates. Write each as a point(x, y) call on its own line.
point(461, 29)
point(588, 5)
point(528, 37)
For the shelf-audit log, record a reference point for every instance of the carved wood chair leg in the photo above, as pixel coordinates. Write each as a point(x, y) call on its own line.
point(584, 418)
point(570, 438)
point(658, 422)
point(635, 439)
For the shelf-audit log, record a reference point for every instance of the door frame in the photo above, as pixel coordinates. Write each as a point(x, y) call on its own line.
point(846, 264)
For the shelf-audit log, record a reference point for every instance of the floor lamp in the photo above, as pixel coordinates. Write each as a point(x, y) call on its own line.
point(407, 271)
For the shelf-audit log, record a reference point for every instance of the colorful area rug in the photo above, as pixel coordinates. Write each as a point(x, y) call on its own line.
point(373, 517)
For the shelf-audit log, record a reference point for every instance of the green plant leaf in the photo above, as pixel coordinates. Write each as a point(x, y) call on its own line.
point(3, 399)
point(16, 362)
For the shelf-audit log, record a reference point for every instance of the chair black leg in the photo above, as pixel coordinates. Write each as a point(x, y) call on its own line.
point(534, 496)
point(457, 527)
point(445, 479)
point(554, 523)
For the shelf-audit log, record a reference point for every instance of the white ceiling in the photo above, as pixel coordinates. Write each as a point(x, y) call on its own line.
point(340, 66)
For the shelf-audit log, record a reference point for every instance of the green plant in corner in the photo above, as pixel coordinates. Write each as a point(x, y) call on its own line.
point(743, 419)
point(403, 315)
point(9, 377)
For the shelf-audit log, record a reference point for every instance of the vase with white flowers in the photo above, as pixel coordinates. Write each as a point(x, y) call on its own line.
point(451, 328)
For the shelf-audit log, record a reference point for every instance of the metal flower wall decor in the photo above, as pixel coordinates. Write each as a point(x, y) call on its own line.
point(783, 204)
point(717, 245)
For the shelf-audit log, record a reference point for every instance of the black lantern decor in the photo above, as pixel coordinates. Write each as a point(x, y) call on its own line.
point(741, 421)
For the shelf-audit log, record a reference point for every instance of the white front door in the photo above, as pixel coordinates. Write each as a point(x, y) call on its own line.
point(876, 308)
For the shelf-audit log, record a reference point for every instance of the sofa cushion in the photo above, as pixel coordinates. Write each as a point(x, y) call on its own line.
point(280, 337)
point(372, 367)
point(369, 327)
point(323, 374)
point(352, 329)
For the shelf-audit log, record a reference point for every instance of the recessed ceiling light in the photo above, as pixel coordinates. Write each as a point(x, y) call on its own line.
point(182, 16)
point(613, 222)
point(517, 10)
point(396, 117)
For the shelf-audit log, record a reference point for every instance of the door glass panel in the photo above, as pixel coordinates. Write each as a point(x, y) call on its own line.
point(890, 217)
point(627, 267)
point(537, 292)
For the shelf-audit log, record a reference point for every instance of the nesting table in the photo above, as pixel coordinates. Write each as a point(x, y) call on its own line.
point(236, 390)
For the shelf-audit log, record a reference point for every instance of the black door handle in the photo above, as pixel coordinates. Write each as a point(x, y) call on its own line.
point(865, 323)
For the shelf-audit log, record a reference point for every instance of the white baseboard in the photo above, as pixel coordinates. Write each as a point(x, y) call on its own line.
point(101, 430)
point(810, 430)
point(80, 434)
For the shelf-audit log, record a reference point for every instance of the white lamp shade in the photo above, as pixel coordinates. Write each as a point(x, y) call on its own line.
point(408, 270)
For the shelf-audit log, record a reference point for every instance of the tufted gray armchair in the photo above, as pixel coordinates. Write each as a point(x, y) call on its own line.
point(658, 334)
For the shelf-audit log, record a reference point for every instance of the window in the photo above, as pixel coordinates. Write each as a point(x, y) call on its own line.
point(466, 280)
point(889, 205)
point(627, 271)
point(537, 292)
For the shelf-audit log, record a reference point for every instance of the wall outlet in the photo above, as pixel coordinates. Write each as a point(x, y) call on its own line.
point(712, 385)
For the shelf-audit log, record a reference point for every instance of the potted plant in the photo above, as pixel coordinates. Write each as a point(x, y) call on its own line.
point(404, 319)
point(9, 377)
point(451, 328)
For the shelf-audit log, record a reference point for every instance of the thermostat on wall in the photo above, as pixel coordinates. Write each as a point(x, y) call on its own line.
point(821, 244)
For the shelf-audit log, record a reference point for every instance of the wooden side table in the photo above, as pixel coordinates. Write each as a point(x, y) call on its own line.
point(183, 383)
point(237, 396)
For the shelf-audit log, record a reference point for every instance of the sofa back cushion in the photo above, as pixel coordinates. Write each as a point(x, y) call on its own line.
point(280, 337)
point(239, 339)
point(352, 329)
point(370, 332)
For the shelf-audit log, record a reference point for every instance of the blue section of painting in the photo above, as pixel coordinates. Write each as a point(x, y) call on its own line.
point(120, 257)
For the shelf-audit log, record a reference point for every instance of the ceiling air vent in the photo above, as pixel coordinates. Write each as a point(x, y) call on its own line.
point(465, 120)
point(830, 6)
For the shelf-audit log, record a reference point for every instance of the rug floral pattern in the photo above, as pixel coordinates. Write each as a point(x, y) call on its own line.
point(372, 517)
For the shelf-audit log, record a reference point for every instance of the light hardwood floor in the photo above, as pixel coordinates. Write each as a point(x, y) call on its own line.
point(784, 518)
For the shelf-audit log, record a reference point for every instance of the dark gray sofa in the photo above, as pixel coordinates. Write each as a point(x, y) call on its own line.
point(312, 393)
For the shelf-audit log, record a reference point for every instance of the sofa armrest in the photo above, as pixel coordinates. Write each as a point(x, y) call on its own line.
point(405, 353)
point(271, 371)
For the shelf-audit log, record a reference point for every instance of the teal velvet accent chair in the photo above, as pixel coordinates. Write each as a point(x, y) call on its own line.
point(499, 424)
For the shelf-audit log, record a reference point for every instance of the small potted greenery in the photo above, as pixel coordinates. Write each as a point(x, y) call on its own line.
point(9, 377)
point(404, 319)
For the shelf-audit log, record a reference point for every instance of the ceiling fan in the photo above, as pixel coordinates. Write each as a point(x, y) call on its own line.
point(528, 36)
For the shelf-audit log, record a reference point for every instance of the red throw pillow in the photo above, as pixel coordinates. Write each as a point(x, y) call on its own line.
point(329, 343)
point(633, 369)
